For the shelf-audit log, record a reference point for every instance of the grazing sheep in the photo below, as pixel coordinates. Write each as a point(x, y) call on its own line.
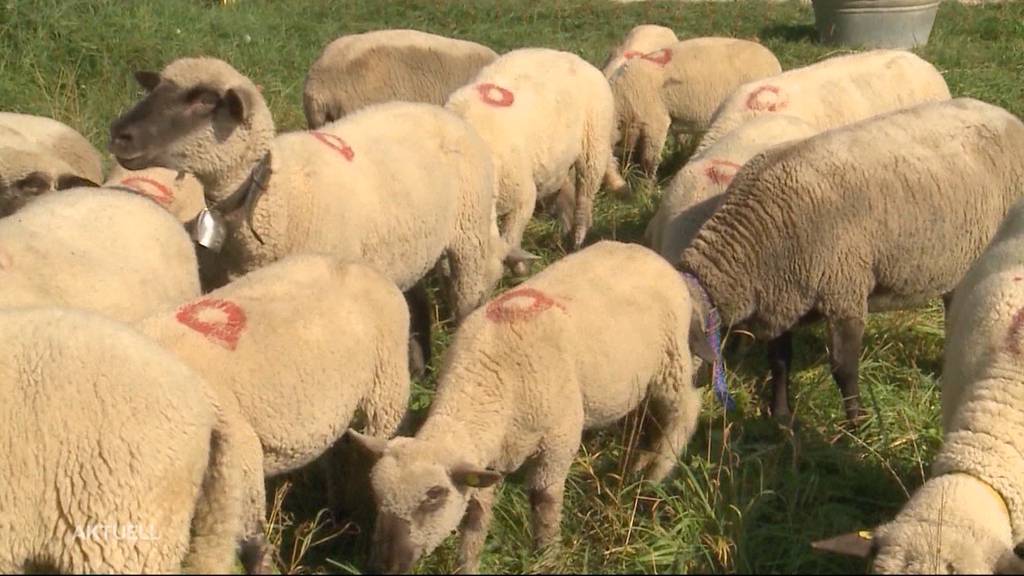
point(543, 113)
point(116, 458)
point(696, 190)
point(179, 192)
point(834, 92)
point(97, 249)
point(60, 140)
point(681, 86)
point(299, 351)
point(578, 346)
point(642, 39)
point(809, 229)
point(971, 512)
point(358, 70)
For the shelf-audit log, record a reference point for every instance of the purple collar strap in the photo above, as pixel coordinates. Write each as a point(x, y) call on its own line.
point(713, 328)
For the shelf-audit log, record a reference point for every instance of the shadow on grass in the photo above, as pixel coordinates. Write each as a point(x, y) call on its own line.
point(796, 33)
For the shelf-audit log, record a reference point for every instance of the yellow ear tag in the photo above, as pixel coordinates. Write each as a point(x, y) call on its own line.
point(866, 535)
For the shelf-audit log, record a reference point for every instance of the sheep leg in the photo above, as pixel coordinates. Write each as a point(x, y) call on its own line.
point(845, 337)
point(565, 205)
point(546, 479)
point(524, 200)
point(673, 420)
point(420, 324)
point(475, 525)
point(590, 168)
point(947, 303)
point(780, 357)
point(654, 140)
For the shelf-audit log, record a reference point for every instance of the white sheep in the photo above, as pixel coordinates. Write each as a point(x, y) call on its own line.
point(696, 190)
point(971, 512)
point(358, 70)
point(578, 346)
point(396, 185)
point(59, 139)
point(542, 113)
point(179, 193)
point(297, 352)
point(642, 39)
point(681, 86)
point(834, 92)
point(116, 457)
point(97, 249)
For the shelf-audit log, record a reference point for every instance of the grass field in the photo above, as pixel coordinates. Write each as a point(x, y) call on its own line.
point(749, 496)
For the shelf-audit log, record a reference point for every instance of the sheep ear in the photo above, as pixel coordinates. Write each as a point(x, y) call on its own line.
point(65, 181)
point(474, 477)
point(239, 103)
point(698, 338)
point(371, 445)
point(148, 80)
point(857, 544)
point(35, 183)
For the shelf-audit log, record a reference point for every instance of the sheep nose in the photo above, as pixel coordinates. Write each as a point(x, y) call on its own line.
point(122, 138)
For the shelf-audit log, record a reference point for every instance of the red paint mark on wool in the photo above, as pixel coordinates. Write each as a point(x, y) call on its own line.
point(519, 304)
point(767, 99)
point(1013, 334)
point(721, 172)
point(221, 321)
point(630, 54)
point(1017, 278)
point(495, 95)
point(661, 57)
point(335, 143)
point(150, 188)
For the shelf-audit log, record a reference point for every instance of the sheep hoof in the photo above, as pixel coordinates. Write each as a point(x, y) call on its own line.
point(254, 555)
point(521, 268)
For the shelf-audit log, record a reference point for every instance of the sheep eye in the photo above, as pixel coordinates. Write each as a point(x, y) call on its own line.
point(435, 497)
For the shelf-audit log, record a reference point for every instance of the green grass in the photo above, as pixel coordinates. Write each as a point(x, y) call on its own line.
point(749, 497)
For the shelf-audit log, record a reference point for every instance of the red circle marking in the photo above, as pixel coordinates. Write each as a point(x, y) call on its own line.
point(1013, 335)
point(1017, 278)
point(504, 97)
point(721, 172)
point(335, 143)
point(150, 188)
point(630, 54)
point(225, 326)
point(769, 104)
point(660, 57)
point(503, 310)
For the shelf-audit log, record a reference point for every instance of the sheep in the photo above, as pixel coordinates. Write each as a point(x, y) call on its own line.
point(681, 85)
point(397, 184)
point(117, 458)
point(97, 249)
point(833, 92)
point(178, 192)
point(976, 482)
point(542, 113)
point(642, 39)
point(59, 139)
point(295, 350)
point(578, 346)
point(358, 70)
point(809, 230)
point(696, 190)
point(27, 172)
point(966, 518)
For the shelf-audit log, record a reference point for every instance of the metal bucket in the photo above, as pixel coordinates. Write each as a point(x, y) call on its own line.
point(875, 23)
